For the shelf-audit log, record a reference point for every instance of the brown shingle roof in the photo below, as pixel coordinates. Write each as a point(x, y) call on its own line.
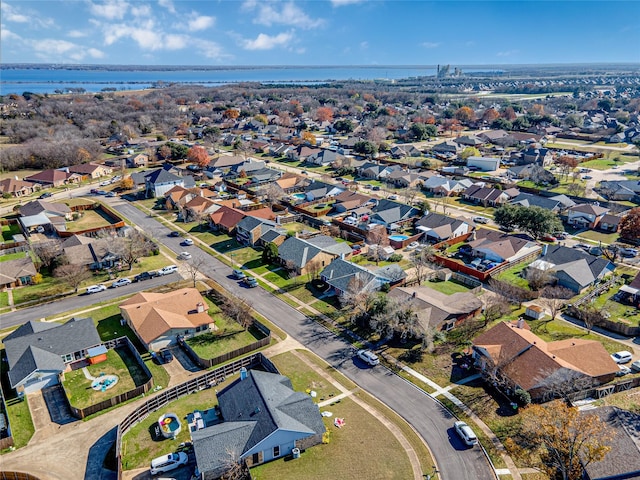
point(227, 217)
point(154, 314)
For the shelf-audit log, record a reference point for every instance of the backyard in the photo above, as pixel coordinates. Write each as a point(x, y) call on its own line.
point(18, 412)
point(120, 362)
point(8, 231)
point(89, 219)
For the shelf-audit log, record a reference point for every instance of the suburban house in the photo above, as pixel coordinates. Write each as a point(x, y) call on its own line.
point(491, 136)
point(160, 181)
point(573, 268)
point(500, 247)
point(480, 194)
point(263, 418)
point(290, 182)
point(447, 147)
point(438, 227)
point(319, 189)
point(316, 252)
point(226, 218)
point(585, 215)
point(91, 170)
point(136, 161)
point(623, 461)
point(445, 186)
point(40, 353)
point(323, 158)
point(302, 152)
point(16, 188)
point(344, 276)
point(376, 170)
point(469, 141)
point(533, 172)
point(159, 318)
point(621, 190)
point(197, 208)
point(224, 163)
point(392, 214)
point(609, 223)
point(401, 151)
point(540, 156)
point(53, 177)
point(556, 204)
point(250, 229)
point(94, 253)
point(404, 178)
point(17, 272)
point(512, 357)
point(438, 310)
point(39, 213)
point(347, 201)
point(486, 164)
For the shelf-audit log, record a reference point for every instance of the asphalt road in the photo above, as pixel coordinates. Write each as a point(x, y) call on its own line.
point(428, 417)
point(78, 301)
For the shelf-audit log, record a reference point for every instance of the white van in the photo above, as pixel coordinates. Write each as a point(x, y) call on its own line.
point(168, 462)
point(168, 270)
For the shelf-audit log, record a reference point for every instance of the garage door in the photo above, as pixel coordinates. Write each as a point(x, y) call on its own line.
point(40, 383)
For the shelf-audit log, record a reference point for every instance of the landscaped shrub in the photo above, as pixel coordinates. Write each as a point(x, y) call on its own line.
point(396, 257)
point(522, 397)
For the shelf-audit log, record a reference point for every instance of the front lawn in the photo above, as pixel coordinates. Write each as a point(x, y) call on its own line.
point(449, 287)
point(12, 256)
point(596, 236)
point(119, 362)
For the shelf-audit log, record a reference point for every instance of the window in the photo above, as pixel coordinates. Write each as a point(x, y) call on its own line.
point(276, 451)
point(67, 358)
point(255, 459)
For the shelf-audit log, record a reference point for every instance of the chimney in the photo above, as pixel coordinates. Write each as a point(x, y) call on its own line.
point(520, 323)
point(200, 307)
point(243, 373)
point(544, 249)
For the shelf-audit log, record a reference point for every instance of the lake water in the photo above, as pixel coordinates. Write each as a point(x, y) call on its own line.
point(42, 80)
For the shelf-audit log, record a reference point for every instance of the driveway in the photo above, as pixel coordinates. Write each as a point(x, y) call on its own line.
point(58, 405)
point(430, 419)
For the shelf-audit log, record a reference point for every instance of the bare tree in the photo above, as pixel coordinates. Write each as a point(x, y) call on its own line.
point(313, 269)
point(272, 193)
point(47, 252)
point(378, 239)
point(132, 247)
point(239, 310)
point(495, 307)
point(291, 268)
point(554, 298)
point(562, 383)
point(538, 278)
point(73, 275)
point(193, 267)
point(421, 261)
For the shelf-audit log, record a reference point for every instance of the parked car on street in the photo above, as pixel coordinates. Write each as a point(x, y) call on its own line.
point(548, 238)
point(239, 274)
point(628, 252)
point(481, 220)
point(121, 282)
point(187, 242)
point(145, 276)
point(175, 233)
point(250, 282)
point(46, 195)
point(368, 357)
point(184, 256)
point(465, 433)
point(96, 289)
point(168, 270)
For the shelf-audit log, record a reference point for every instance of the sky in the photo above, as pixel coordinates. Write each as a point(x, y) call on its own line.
point(319, 32)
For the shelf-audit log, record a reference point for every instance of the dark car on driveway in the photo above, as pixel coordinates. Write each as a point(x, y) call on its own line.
point(166, 355)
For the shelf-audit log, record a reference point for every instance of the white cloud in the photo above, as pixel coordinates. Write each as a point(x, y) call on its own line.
point(210, 49)
point(342, 3)
point(168, 4)
point(109, 10)
point(9, 14)
point(200, 22)
point(430, 44)
point(62, 50)
point(268, 42)
point(141, 10)
point(77, 34)
point(290, 14)
point(175, 42)
point(364, 45)
point(506, 53)
point(6, 34)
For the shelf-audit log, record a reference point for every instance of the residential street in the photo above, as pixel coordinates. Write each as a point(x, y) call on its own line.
point(428, 417)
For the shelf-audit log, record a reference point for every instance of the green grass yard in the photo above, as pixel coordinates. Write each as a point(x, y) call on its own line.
point(211, 345)
point(12, 256)
point(21, 422)
point(596, 236)
point(512, 275)
point(448, 287)
point(8, 231)
point(119, 362)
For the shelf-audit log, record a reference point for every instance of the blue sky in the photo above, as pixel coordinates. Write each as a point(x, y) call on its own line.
point(319, 32)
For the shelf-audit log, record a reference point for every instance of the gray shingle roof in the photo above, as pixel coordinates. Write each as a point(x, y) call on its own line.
point(252, 410)
point(529, 200)
point(29, 351)
point(297, 251)
point(559, 256)
point(329, 244)
point(340, 273)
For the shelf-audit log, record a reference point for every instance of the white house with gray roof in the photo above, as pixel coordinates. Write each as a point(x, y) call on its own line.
point(342, 276)
point(298, 254)
point(263, 419)
point(39, 353)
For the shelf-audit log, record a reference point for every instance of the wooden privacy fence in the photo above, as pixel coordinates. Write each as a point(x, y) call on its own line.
point(162, 398)
point(81, 413)
point(16, 476)
point(225, 357)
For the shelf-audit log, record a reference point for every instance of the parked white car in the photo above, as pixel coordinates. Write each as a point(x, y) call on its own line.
point(168, 269)
point(413, 245)
point(368, 357)
point(96, 289)
point(622, 357)
point(482, 220)
point(184, 256)
point(465, 433)
point(169, 462)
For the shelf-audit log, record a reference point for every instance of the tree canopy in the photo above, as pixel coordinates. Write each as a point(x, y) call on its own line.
point(630, 224)
point(536, 221)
